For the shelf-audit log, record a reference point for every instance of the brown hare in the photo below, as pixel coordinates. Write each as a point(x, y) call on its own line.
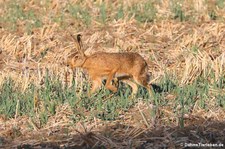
point(122, 66)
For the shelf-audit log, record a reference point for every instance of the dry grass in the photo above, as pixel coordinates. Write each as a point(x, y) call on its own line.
point(186, 50)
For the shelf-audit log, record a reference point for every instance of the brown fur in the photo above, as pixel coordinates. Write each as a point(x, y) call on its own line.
point(123, 66)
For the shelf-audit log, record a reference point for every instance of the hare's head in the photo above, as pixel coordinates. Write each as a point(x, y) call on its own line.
point(75, 60)
point(78, 58)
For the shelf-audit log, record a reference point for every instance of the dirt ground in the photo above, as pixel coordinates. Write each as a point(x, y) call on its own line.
point(197, 131)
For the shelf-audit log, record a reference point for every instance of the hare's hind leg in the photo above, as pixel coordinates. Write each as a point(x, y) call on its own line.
point(126, 79)
point(133, 86)
point(143, 81)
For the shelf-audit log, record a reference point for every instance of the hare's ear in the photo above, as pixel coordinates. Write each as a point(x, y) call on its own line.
point(78, 43)
point(79, 38)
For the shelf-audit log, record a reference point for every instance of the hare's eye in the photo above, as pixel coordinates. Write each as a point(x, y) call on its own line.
point(76, 56)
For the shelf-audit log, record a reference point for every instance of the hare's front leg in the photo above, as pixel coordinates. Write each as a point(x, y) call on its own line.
point(109, 81)
point(96, 83)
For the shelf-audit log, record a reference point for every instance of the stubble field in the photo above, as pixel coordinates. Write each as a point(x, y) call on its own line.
point(44, 104)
